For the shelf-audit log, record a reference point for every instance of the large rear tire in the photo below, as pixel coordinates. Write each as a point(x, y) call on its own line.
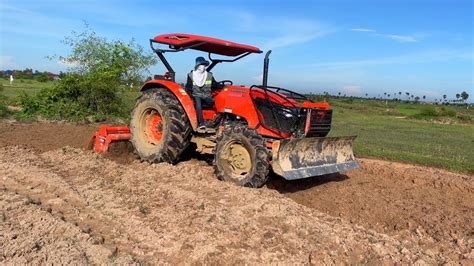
point(241, 156)
point(159, 127)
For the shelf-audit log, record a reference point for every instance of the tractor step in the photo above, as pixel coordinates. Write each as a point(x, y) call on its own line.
point(101, 139)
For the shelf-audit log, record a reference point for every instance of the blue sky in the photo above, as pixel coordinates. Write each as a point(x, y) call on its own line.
point(353, 47)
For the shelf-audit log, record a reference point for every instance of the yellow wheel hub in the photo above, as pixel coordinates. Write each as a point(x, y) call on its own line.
point(239, 160)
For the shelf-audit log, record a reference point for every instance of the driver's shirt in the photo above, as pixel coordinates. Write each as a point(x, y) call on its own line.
point(202, 92)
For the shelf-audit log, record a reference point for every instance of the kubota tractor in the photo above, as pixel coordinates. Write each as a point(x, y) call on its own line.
point(256, 128)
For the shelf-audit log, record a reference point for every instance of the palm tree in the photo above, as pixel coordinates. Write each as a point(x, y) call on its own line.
point(424, 97)
point(400, 93)
point(458, 96)
point(464, 96)
point(339, 93)
point(444, 97)
point(366, 95)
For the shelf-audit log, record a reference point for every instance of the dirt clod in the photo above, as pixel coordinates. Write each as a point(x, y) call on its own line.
point(94, 210)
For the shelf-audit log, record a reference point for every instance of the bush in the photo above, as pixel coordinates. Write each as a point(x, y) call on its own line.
point(317, 98)
point(4, 110)
point(43, 77)
point(426, 113)
point(430, 112)
point(348, 100)
point(4, 106)
point(447, 112)
point(464, 117)
point(94, 87)
point(76, 97)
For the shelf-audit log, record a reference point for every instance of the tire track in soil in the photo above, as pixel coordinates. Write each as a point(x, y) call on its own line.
point(77, 199)
point(431, 206)
point(414, 204)
point(32, 234)
point(164, 213)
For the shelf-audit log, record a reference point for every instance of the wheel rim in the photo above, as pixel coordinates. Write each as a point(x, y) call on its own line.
point(237, 161)
point(152, 126)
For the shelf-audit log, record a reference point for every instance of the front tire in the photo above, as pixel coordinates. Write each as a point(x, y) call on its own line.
point(241, 156)
point(159, 127)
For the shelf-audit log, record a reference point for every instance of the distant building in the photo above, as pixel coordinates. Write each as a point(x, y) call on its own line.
point(53, 76)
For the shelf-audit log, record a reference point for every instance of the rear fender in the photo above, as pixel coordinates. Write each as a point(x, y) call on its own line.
point(180, 93)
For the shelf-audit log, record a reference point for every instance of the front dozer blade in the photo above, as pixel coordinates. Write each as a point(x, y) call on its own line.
point(306, 157)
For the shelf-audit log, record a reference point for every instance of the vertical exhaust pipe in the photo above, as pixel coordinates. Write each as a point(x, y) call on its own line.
point(265, 69)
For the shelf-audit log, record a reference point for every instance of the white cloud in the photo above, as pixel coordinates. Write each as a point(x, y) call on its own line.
point(66, 63)
point(352, 90)
point(258, 78)
point(401, 38)
point(278, 32)
point(412, 58)
point(27, 22)
point(395, 37)
point(6, 62)
point(363, 30)
point(289, 39)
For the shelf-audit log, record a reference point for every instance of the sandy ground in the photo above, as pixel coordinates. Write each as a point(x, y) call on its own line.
point(61, 204)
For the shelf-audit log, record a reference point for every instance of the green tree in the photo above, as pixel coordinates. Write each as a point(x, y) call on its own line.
point(42, 77)
point(124, 62)
point(93, 86)
point(464, 96)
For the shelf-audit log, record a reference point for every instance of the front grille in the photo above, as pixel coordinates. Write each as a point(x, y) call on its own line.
point(319, 122)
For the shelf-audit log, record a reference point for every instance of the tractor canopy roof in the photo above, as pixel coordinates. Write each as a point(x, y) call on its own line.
point(181, 41)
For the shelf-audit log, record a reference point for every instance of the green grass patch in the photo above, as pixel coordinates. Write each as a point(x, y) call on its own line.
point(399, 131)
point(406, 140)
point(4, 112)
point(12, 92)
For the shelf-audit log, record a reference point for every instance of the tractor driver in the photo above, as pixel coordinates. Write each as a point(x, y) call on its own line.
point(199, 84)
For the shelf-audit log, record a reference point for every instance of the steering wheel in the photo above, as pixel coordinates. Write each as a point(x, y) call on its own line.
point(225, 82)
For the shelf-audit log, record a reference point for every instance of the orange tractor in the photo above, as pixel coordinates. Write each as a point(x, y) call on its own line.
point(256, 128)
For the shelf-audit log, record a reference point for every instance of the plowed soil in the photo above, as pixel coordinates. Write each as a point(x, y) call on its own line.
point(61, 204)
